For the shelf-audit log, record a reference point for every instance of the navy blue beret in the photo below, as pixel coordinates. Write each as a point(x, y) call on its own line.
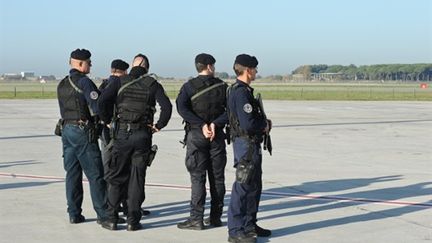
point(81, 54)
point(205, 59)
point(246, 61)
point(119, 64)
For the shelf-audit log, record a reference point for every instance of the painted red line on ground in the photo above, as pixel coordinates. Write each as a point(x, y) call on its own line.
point(266, 193)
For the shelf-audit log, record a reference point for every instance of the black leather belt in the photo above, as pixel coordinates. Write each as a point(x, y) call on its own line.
point(132, 126)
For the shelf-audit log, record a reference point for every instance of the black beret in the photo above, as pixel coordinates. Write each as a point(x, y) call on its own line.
point(81, 54)
point(246, 61)
point(119, 64)
point(205, 59)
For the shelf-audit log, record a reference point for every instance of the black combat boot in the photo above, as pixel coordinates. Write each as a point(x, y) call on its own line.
point(108, 224)
point(77, 219)
point(259, 232)
point(192, 224)
point(134, 227)
point(215, 222)
point(242, 239)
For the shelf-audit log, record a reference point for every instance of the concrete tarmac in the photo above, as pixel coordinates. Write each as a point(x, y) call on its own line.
point(341, 171)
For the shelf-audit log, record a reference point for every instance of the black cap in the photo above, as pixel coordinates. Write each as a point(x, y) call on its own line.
point(81, 54)
point(119, 64)
point(205, 59)
point(246, 61)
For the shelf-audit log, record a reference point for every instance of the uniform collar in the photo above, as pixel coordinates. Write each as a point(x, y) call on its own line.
point(241, 83)
point(202, 76)
point(75, 71)
point(208, 79)
point(111, 77)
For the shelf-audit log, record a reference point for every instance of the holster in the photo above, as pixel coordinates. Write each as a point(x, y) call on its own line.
point(244, 171)
point(94, 131)
point(113, 129)
point(228, 134)
point(152, 154)
point(59, 127)
point(187, 129)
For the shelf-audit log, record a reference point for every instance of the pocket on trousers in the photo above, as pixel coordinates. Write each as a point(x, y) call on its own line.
point(244, 172)
point(191, 162)
point(140, 160)
point(112, 163)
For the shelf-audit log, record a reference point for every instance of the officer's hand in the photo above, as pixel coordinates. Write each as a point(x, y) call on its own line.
point(213, 131)
point(206, 131)
point(153, 128)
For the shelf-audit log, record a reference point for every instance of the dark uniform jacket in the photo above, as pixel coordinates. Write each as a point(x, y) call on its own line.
point(77, 97)
point(206, 107)
point(156, 94)
point(107, 107)
point(245, 116)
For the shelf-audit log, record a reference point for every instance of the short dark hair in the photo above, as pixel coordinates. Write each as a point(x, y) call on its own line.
point(202, 60)
point(145, 60)
point(239, 69)
point(200, 67)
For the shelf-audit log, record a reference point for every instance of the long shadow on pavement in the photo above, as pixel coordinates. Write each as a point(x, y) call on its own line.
point(26, 184)
point(378, 195)
point(18, 162)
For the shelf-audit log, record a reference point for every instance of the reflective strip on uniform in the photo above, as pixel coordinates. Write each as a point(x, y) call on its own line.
point(74, 86)
point(134, 81)
point(206, 90)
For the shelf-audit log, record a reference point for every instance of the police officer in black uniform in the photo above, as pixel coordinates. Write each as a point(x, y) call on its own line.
point(77, 96)
point(247, 128)
point(135, 96)
point(118, 69)
point(202, 104)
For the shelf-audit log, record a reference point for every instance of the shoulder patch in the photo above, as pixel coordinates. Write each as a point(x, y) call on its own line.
point(94, 95)
point(247, 108)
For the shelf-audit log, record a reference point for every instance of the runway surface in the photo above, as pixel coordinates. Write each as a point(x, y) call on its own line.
point(341, 171)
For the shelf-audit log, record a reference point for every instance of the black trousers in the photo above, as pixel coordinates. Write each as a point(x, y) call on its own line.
point(127, 169)
point(205, 157)
point(245, 197)
point(106, 151)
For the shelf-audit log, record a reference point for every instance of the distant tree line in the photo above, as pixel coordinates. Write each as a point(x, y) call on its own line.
point(225, 75)
point(404, 72)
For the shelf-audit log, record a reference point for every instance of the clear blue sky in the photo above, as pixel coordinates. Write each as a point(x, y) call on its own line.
point(39, 35)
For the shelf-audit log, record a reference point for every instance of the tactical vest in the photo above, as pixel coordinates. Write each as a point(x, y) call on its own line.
point(234, 123)
point(133, 103)
point(208, 98)
point(68, 94)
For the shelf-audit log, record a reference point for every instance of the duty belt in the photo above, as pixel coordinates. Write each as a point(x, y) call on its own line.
point(75, 122)
point(80, 123)
point(132, 126)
